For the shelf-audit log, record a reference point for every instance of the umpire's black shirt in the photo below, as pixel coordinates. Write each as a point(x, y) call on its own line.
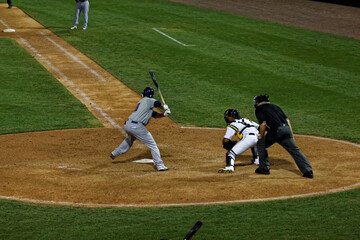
point(272, 115)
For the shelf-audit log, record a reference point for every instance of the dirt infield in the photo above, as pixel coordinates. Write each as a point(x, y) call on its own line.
point(72, 167)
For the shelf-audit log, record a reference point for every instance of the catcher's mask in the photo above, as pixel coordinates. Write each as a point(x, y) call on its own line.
point(148, 92)
point(231, 113)
point(261, 98)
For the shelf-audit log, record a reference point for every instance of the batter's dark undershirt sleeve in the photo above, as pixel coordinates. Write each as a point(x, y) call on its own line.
point(157, 104)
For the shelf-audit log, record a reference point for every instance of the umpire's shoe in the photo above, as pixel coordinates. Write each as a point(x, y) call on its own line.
point(262, 171)
point(309, 174)
point(112, 156)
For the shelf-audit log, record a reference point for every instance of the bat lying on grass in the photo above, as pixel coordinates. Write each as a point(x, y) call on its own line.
point(193, 230)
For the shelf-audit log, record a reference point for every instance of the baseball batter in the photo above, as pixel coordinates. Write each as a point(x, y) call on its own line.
point(246, 131)
point(81, 6)
point(135, 127)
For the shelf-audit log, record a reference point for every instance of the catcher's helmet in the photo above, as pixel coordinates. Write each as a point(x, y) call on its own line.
point(261, 98)
point(148, 92)
point(231, 113)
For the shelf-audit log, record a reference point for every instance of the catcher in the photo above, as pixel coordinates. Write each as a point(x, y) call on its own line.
point(246, 131)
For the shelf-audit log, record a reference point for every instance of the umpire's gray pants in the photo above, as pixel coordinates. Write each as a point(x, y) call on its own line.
point(82, 7)
point(139, 131)
point(285, 138)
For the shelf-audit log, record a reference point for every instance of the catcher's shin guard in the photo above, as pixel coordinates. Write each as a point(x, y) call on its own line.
point(230, 158)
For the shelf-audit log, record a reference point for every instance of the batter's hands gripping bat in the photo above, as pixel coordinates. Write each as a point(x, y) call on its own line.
point(156, 85)
point(194, 229)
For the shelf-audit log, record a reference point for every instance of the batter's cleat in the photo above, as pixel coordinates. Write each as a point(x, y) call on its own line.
point(73, 27)
point(162, 168)
point(226, 170)
point(262, 171)
point(309, 174)
point(112, 156)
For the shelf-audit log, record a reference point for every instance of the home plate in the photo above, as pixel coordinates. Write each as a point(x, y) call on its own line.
point(144, 161)
point(9, 30)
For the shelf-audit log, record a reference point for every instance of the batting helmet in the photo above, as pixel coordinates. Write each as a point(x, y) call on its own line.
point(148, 92)
point(261, 98)
point(231, 113)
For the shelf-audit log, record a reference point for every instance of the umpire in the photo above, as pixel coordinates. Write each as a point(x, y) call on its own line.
point(275, 127)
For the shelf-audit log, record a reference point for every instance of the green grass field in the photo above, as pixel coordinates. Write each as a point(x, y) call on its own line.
point(334, 216)
point(314, 77)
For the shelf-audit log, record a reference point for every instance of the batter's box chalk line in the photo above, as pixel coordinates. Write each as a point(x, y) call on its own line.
point(69, 168)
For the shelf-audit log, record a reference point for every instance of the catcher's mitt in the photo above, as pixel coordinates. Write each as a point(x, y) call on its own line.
point(229, 144)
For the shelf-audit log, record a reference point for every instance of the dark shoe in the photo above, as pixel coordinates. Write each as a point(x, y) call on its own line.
point(262, 171)
point(112, 156)
point(309, 174)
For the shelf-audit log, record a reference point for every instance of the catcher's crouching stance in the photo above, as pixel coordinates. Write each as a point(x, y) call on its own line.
point(246, 131)
point(135, 127)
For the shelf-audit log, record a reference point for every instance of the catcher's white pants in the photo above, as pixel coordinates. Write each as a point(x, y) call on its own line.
point(139, 131)
point(244, 144)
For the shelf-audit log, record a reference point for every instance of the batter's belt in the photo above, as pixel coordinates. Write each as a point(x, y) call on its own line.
point(134, 122)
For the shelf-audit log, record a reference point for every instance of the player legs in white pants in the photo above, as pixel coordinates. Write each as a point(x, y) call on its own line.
point(139, 131)
point(247, 142)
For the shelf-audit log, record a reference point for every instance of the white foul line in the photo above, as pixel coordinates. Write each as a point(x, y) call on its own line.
point(183, 44)
point(75, 58)
point(3, 23)
point(69, 82)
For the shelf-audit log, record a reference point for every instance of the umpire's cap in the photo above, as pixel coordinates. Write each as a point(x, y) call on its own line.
point(261, 98)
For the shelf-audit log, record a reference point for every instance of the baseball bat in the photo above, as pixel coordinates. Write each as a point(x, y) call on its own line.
point(156, 85)
point(193, 230)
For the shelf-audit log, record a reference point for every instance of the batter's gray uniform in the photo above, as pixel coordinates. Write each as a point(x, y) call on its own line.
point(135, 128)
point(81, 6)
